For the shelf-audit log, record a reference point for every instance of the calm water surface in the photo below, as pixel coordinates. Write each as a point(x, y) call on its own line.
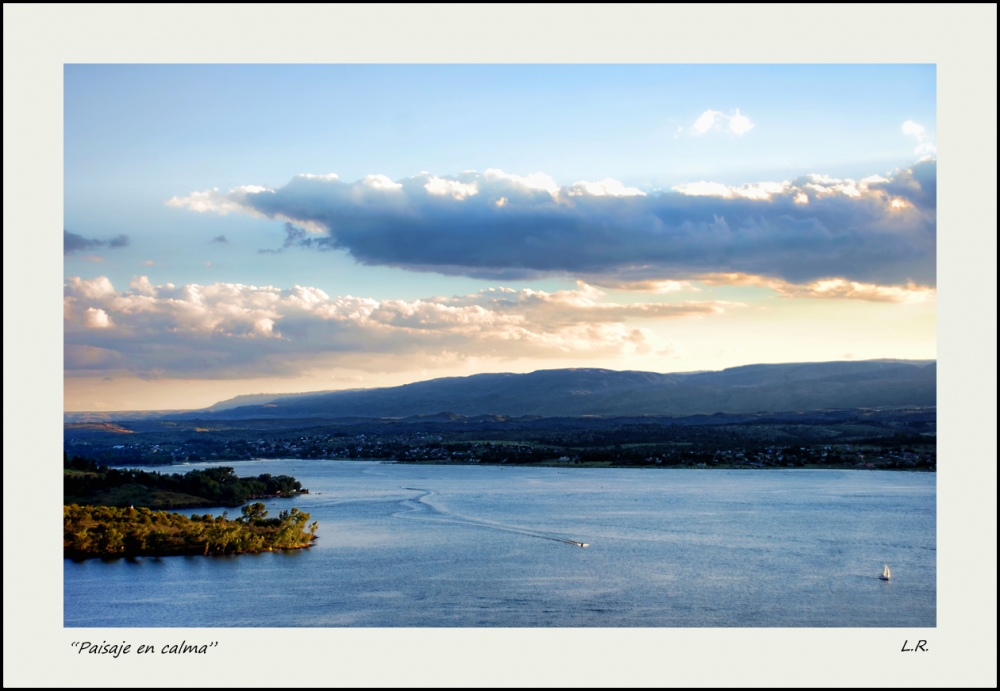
point(488, 546)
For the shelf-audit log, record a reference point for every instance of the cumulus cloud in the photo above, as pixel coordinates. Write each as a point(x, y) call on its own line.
point(94, 318)
point(443, 187)
point(910, 127)
point(925, 146)
point(758, 190)
point(501, 226)
point(77, 243)
point(215, 201)
point(236, 200)
point(375, 182)
point(534, 181)
point(607, 187)
point(706, 121)
point(717, 120)
point(739, 124)
point(229, 330)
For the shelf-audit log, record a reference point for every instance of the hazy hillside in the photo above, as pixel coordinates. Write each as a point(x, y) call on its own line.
point(98, 416)
point(575, 392)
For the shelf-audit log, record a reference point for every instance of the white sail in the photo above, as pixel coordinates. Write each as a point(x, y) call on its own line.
point(886, 574)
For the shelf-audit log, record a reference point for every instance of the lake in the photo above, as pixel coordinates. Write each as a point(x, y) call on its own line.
point(495, 546)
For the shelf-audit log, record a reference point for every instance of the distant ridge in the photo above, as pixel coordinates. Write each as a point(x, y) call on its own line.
point(577, 392)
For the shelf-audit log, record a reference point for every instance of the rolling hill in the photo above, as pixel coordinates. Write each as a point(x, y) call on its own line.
point(582, 392)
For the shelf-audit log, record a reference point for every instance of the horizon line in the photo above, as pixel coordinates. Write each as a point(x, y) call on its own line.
point(479, 374)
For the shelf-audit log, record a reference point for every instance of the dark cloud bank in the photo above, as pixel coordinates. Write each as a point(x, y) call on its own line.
point(77, 243)
point(876, 230)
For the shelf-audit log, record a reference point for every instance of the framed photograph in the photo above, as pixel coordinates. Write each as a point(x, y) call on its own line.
point(455, 364)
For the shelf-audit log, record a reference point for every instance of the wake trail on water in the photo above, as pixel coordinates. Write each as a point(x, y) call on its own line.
point(426, 511)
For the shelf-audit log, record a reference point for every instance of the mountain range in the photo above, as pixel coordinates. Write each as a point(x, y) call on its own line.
point(600, 392)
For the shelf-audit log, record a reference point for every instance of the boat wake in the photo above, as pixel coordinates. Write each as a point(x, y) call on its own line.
point(422, 510)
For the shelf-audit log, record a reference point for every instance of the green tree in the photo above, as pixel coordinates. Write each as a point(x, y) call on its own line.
point(253, 512)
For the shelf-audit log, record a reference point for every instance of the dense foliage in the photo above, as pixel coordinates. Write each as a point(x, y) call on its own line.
point(210, 487)
point(897, 439)
point(103, 531)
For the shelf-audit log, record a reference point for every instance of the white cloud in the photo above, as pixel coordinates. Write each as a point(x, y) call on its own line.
point(925, 146)
point(736, 123)
point(444, 187)
point(534, 181)
point(740, 124)
point(235, 201)
point(263, 326)
point(94, 318)
point(706, 121)
point(607, 187)
point(327, 176)
point(94, 289)
point(757, 190)
point(814, 185)
point(226, 329)
point(704, 189)
point(222, 204)
point(380, 182)
point(141, 286)
point(918, 131)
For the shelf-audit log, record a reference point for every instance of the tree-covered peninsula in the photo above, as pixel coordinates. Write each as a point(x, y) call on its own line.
point(111, 512)
point(105, 531)
point(86, 482)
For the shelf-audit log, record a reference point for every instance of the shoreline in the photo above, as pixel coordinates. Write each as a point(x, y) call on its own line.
point(554, 464)
point(79, 558)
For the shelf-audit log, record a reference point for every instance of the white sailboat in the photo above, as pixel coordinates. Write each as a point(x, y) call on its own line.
point(886, 574)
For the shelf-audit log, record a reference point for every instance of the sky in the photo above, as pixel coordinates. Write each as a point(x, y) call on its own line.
point(239, 229)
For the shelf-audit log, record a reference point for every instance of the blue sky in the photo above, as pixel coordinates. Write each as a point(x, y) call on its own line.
point(623, 205)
